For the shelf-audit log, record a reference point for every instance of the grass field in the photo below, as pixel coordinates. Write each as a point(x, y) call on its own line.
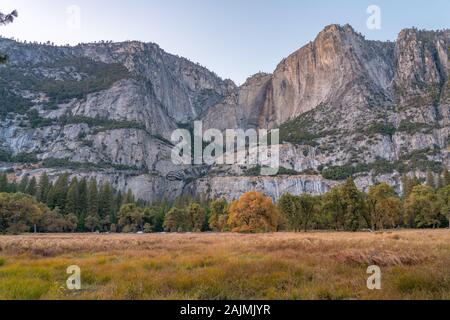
point(414, 264)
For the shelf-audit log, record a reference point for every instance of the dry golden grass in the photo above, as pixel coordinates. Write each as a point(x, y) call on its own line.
point(415, 265)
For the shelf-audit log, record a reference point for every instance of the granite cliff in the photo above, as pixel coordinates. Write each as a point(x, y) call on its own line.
point(344, 105)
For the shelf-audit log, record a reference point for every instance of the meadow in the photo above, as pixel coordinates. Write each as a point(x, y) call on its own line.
point(317, 265)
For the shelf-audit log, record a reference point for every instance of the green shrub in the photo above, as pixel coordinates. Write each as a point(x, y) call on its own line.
point(387, 129)
point(413, 127)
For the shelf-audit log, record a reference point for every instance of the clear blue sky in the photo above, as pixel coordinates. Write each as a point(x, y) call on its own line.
point(234, 38)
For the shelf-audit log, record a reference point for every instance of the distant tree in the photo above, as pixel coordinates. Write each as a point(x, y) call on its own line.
point(307, 210)
point(446, 177)
point(385, 210)
point(118, 201)
point(440, 183)
point(155, 215)
point(72, 200)
point(52, 221)
point(253, 213)
point(289, 208)
point(408, 185)
point(355, 206)
point(83, 197)
point(129, 197)
point(177, 220)
point(443, 195)
point(430, 179)
point(18, 212)
point(32, 187)
point(131, 218)
point(422, 208)
point(12, 187)
point(92, 222)
point(71, 222)
point(58, 192)
point(43, 188)
point(334, 208)
point(196, 217)
point(148, 228)
point(298, 210)
point(92, 199)
point(105, 200)
point(6, 19)
point(24, 184)
point(3, 183)
point(218, 221)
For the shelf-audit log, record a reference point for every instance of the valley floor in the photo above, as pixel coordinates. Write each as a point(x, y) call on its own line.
point(414, 265)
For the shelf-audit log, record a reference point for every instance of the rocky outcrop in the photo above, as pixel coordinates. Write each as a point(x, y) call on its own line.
point(109, 109)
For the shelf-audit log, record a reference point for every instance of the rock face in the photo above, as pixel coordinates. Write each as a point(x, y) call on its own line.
point(107, 110)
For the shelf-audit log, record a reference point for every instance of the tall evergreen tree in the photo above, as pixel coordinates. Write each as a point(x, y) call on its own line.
point(355, 205)
point(32, 187)
point(105, 200)
point(3, 183)
point(93, 198)
point(83, 203)
point(129, 198)
point(24, 184)
point(58, 192)
point(72, 200)
point(43, 188)
point(12, 187)
point(430, 179)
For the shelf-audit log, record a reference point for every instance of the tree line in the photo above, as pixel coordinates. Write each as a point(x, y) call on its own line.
point(73, 205)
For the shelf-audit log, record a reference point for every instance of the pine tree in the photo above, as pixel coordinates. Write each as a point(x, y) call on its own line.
point(355, 205)
point(24, 184)
point(12, 187)
point(82, 202)
point(105, 201)
point(43, 188)
point(118, 201)
point(92, 198)
point(32, 187)
point(408, 185)
point(3, 183)
point(58, 192)
point(129, 198)
point(430, 179)
point(440, 182)
point(72, 200)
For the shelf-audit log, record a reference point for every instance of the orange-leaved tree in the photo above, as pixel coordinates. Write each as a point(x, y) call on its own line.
point(253, 213)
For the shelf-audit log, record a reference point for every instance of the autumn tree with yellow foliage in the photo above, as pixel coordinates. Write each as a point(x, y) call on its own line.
point(253, 213)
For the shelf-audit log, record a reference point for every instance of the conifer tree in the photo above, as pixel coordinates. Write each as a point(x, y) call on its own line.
point(83, 196)
point(430, 179)
point(23, 184)
point(43, 188)
point(3, 183)
point(92, 198)
point(105, 200)
point(32, 187)
point(72, 201)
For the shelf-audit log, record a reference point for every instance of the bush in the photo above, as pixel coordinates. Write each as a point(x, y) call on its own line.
point(338, 172)
point(387, 129)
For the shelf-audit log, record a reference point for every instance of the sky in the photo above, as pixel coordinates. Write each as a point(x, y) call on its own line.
point(233, 38)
